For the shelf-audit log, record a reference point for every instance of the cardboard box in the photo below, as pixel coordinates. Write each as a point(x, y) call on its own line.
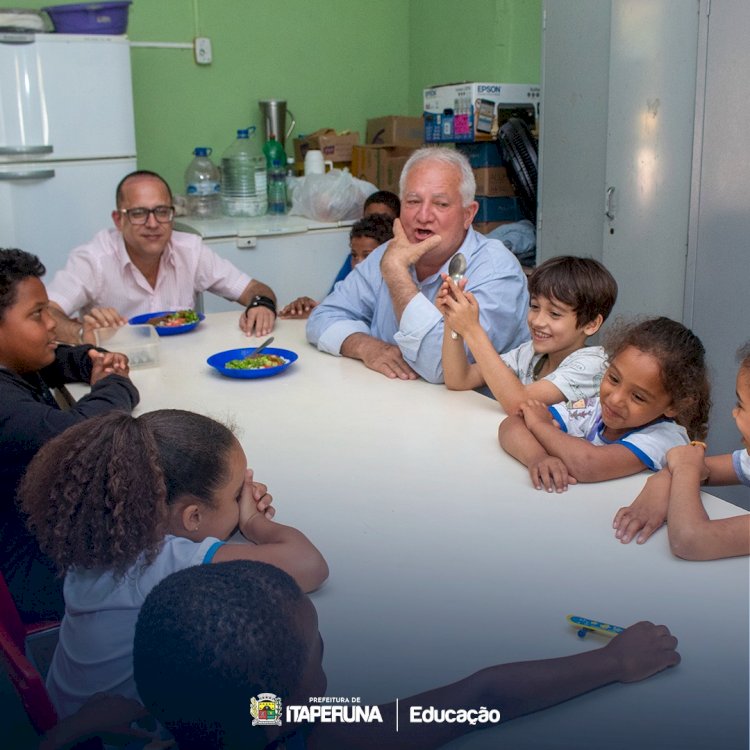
point(336, 147)
point(493, 182)
point(485, 227)
point(467, 111)
point(380, 165)
point(395, 130)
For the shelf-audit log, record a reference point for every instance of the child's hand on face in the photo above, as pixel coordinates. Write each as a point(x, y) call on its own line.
point(551, 474)
point(642, 650)
point(254, 501)
point(107, 363)
point(686, 456)
point(263, 500)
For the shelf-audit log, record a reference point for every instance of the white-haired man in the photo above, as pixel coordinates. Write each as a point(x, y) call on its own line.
point(383, 312)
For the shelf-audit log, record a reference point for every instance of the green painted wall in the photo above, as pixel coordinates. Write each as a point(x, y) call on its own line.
point(473, 40)
point(336, 62)
point(319, 56)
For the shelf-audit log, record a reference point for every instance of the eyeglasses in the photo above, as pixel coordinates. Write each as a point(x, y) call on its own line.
point(163, 214)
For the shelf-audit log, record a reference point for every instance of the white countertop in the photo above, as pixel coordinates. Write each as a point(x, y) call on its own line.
point(227, 226)
point(444, 559)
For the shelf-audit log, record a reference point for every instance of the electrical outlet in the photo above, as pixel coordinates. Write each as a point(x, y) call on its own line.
point(202, 50)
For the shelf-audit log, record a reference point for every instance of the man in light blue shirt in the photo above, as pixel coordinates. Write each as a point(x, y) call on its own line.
point(383, 311)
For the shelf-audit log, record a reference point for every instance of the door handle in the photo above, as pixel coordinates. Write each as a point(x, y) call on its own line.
point(609, 204)
point(38, 174)
point(24, 150)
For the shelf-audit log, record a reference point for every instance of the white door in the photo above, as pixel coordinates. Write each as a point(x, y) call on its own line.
point(618, 102)
point(653, 51)
point(718, 304)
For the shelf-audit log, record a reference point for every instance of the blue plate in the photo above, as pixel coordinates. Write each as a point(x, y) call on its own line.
point(219, 360)
point(165, 330)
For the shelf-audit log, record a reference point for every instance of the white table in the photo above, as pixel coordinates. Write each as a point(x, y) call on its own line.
point(444, 559)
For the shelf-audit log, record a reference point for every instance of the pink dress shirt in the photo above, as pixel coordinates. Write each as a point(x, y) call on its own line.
point(101, 274)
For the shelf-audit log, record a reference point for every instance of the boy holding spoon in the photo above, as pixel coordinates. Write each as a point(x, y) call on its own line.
point(570, 299)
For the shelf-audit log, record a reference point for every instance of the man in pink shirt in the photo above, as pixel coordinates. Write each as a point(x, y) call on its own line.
point(143, 265)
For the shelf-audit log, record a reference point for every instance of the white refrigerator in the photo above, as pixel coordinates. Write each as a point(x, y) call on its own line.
point(67, 137)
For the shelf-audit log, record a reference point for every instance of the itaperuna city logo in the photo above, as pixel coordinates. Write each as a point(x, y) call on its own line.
point(266, 709)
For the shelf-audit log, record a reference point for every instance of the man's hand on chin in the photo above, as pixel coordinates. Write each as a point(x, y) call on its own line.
point(401, 253)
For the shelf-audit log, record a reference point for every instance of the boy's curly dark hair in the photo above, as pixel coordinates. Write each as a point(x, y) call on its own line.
point(211, 637)
point(583, 283)
point(378, 227)
point(682, 359)
point(98, 495)
point(15, 266)
point(387, 198)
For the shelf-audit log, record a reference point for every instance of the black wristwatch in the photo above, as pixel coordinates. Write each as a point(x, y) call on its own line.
point(260, 301)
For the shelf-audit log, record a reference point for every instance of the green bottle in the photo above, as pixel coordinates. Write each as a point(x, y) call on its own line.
point(275, 155)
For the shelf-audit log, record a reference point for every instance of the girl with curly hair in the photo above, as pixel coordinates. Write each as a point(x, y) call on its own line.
point(674, 494)
point(136, 499)
point(654, 396)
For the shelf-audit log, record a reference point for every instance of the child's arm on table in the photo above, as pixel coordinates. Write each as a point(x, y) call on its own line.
point(516, 689)
point(545, 471)
point(647, 512)
point(692, 535)
point(282, 546)
point(585, 461)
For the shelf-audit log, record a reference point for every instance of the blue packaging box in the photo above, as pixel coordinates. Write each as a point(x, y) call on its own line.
point(481, 155)
point(498, 209)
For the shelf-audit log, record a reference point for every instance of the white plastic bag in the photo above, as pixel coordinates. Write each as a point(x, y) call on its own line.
point(334, 196)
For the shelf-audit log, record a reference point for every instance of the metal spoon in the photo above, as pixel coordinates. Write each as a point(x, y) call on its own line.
point(456, 271)
point(457, 267)
point(258, 349)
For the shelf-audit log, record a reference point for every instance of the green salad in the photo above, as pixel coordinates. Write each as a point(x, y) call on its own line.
point(259, 362)
point(175, 319)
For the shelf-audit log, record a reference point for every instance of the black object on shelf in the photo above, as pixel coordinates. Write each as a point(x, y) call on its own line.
point(518, 147)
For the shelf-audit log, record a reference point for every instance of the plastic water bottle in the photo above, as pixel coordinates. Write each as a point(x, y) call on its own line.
point(290, 181)
point(203, 185)
point(244, 183)
point(276, 170)
point(277, 191)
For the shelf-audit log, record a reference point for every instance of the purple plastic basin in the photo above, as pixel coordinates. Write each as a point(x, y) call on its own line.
point(90, 18)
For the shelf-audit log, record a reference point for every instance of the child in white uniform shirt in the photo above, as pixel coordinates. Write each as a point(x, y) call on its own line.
point(570, 298)
point(674, 493)
point(654, 396)
point(135, 500)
